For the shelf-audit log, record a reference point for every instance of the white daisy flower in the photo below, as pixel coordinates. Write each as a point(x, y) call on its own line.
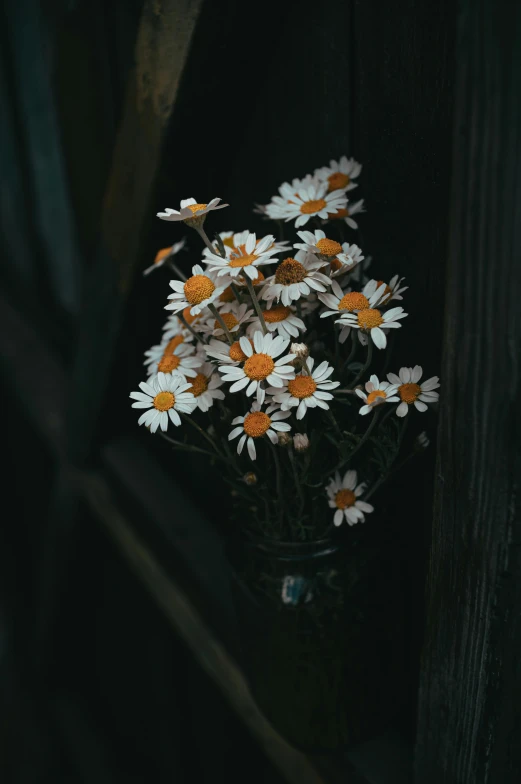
point(340, 174)
point(235, 243)
point(372, 321)
point(411, 392)
point(179, 362)
point(247, 257)
point(378, 392)
point(276, 209)
point(344, 497)
point(306, 391)
point(280, 319)
point(205, 386)
point(164, 396)
point(314, 200)
point(261, 365)
point(346, 261)
point(197, 292)
point(392, 290)
point(154, 354)
point(341, 257)
point(191, 211)
point(257, 424)
point(295, 278)
point(348, 302)
point(234, 316)
point(164, 254)
point(346, 213)
point(226, 354)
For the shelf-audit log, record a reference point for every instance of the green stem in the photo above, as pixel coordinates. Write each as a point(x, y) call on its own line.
point(354, 346)
point(297, 482)
point(190, 329)
point(177, 271)
point(203, 235)
point(237, 293)
point(366, 365)
point(255, 301)
point(187, 447)
point(346, 460)
point(278, 481)
point(222, 323)
point(385, 476)
point(201, 432)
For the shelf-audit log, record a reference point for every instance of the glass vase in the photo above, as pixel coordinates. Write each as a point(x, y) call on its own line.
point(321, 638)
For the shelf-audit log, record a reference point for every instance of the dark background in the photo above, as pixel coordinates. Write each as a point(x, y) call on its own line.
point(97, 135)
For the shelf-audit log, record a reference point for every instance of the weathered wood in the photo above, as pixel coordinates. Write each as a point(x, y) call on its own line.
point(163, 42)
point(470, 696)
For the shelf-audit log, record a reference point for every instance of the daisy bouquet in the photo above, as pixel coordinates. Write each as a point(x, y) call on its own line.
point(274, 362)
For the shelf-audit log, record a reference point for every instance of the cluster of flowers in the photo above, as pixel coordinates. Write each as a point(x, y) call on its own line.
point(260, 325)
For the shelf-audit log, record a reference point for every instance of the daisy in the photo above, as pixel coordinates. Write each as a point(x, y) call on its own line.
point(235, 242)
point(191, 212)
point(305, 390)
point(276, 209)
point(173, 328)
point(164, 254)
point(343, 496)
point(260, 366)
point(280, 319)
point(346, 261)
point(247, 257)
point(257, 424)
point(346, 213)
point(226, 354)
point(314, 200)
point(378, 392)
point(372, 321)
point(154, 354)
point(341, 257)
point(205, 386)
point(340, 174)
point(411, 391)
point(197, 292)
point(392, 290)
point(295, 278)
point(234, 316)
point(349, 302)
point(164, 396)
point(179, 362)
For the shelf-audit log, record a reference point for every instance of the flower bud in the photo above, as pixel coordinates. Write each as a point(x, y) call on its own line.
point(250, 478)
point(421, 442)
point(300, 350)
point(300, 442)
point(284, 439)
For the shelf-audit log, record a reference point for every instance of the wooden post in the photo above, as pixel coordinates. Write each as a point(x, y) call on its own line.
point(470, 693)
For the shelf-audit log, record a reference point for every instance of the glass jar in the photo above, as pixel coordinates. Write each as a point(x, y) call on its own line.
point(321, 638)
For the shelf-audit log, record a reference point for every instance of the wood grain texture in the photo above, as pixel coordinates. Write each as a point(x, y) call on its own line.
point(470, 695)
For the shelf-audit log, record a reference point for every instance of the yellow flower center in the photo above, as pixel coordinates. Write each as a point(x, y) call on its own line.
point(409, 392)
point(345, 498)
point(290, 271)
point(172, 344)
point(229, 319)
point(188, 317)
point(312, 206)
point(164, 400)
point(167, 363)
point(276, 314)
point(302, 386)
point(370, 318)
point(259, 366)
point(227, 295)
point(199, 385)
point(195, 207)
point(353, 300)
point(236, 353)
point(337, 180)
point(256, 424)
point(343, 212)
point(162, 254)
point(335, 265)
point(243, 261)
point(198, 288)
point(228, 242)
point(329, 247)
point(374, 395)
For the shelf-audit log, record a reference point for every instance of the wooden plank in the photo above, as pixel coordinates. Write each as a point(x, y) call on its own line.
point(163, 42)
point(470, 694)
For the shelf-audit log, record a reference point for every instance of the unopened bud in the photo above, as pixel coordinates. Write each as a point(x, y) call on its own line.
point(250, 478)
point(300, 442)
point(422, 442)
point(284, 439)
point(300, 350)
